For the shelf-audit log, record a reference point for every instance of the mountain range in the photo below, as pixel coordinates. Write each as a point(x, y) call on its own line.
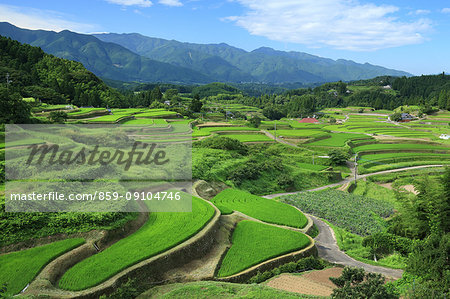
point(134, 57)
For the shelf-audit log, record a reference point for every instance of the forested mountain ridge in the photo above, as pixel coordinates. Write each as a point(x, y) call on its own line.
point(104, 59)
point(31, 72)
point(263, 64)
point(121, 57)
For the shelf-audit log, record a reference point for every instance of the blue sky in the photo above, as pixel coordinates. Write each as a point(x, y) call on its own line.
point(411, 35)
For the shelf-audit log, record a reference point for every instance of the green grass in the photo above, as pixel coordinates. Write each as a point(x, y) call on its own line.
point(217, 290)
point(250, 137)
point(372, 190)
point(267, 210)
point(339, 139)
point(314, 167)
point(254, 242)
point(17, 269)
point(162, 231)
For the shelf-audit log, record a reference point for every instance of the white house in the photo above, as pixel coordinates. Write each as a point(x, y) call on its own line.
point(444, 136)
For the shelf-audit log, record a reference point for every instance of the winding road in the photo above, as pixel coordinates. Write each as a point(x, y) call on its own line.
point(328, 249)
point(326, 241)
point(352, 178)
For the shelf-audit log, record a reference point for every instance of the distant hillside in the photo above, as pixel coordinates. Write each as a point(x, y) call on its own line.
point(104, 59)
point(234, 64)
point(33, 73)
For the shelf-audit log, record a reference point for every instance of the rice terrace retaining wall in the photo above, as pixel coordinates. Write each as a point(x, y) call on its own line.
point(271, 264)
point(148, 272)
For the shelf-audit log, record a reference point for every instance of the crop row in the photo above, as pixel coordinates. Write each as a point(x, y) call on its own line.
point(355, 213)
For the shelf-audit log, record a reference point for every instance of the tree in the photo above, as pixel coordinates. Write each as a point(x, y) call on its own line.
point(12, 108)
point(356, 283)
point(273, 112)
point(58, 116)
point(338, 157)
point(156, 94)
point(255, 121)
point(396, 116)
point(196, 104)
point(171, 93)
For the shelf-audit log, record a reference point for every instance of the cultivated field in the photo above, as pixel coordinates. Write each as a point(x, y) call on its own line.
point(162, 231)
point(263, 209)
point(255, 242)
point(17, 269)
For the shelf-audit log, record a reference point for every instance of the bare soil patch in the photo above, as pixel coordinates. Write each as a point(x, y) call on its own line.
point(386, 185)
point(410, 188)
point(316, 283)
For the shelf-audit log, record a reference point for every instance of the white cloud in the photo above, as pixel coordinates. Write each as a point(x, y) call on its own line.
point(422, 12)
point(341, 24)
point(446, 10)
point(31, 18)
point(142, 3)
point(171, 2)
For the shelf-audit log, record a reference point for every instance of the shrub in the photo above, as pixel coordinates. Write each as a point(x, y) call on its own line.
point(304, 264)
point(338, 157)
point(356, 283)
point(225, 143)
point(385, 243)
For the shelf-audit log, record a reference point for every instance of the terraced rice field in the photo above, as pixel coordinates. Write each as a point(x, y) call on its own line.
point(206, 131)
point(386, 161)
point(162, 231)
point(85, 111)
point(306, 133)
point(156, 113)
point(340, 139)
point(399, 147)
point(263, 209)
point(109, 118)
point(250, 137)
point(145, 121)
point(17, 269)
point(253, 243)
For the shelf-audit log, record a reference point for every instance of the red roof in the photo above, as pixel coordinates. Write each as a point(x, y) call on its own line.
point(308, 120)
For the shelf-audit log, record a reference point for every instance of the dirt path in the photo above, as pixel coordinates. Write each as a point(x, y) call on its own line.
point(280, 140)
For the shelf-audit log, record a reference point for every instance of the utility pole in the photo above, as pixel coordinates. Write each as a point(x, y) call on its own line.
point(313, 158)
point(7, 81)
point(275, 130)
point(356, 165)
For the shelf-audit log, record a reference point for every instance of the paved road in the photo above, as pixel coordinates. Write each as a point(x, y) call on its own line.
point(329, 250)
point(326, 241)
point(351, 178)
